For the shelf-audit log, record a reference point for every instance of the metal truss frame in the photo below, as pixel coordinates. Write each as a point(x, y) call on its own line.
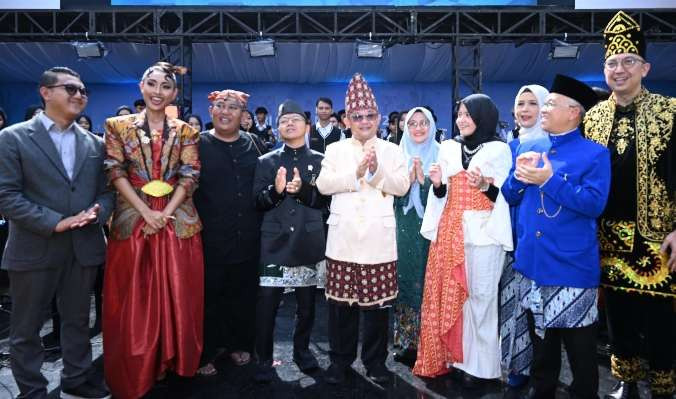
point(404, 25)
point(175, 29)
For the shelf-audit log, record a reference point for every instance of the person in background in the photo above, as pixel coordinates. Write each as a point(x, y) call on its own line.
point(467, 220)
point(263, 129)
point(334, 120)
point(292, 238)
point(516, 348)
point(560, 182)
point(638, 227)
point(247, 121)
point(32, 111)
point(153, 285)
point(232, 228)
point(195, 122)
point(362, 174)
point(439, 134)
point(323, 133)
point(4, 122)
point(396, 139)
point(85, 122)
point(420, 151)
point(140, 105)
point(343, 125)
point(123, 110)
point(392, 130)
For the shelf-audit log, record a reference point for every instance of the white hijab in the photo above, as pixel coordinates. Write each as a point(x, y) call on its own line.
point(535, 131)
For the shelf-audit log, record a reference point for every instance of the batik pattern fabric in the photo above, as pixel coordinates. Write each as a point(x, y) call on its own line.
point(445, 290)
point(291, 277)
point(558, 307)
point(516, 346)
point(361, 285)
point(130, 155)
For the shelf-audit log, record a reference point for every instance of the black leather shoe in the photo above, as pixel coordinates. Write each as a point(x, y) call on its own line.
point(335, 374)
point(406, 357)
point(86, 390)
point(265, 372)
point(623, 390)
point(379, 374)
point(305, 361)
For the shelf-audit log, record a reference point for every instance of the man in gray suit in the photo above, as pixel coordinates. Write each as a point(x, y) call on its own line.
point(54, 193)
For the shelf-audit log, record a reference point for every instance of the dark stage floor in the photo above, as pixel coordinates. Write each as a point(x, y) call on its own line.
point(237, 382)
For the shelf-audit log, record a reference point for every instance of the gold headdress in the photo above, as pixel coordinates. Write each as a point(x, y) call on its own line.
point(623, 35)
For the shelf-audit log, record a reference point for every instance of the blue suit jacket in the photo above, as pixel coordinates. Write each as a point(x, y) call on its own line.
point(561, 250)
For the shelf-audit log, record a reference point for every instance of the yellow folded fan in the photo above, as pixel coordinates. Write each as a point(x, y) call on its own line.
point(157, 188)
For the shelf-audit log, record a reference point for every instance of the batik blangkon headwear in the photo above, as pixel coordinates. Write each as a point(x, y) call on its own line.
point(239, 96)
point(427, 151)
point(535, 131)
point(359, 95)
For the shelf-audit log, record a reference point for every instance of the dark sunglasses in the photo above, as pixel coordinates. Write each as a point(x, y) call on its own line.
point(72, 89)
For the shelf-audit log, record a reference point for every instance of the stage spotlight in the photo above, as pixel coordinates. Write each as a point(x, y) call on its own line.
point(262, 48)
point(563, 50)
point(90, 49)
point(367, 49)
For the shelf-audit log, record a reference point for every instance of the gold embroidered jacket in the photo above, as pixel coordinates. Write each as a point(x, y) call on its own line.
point(640, 211)
point(129, 155)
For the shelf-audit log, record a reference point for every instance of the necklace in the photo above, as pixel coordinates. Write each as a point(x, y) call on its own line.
point(544, 210)
point(471, 152)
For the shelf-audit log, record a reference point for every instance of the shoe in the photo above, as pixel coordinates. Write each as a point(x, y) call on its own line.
point(335, 374)
point(208, 370)
point(305, 361)
point(623, 390)
point(51, 343)
point(265, 373)
point(86, 390)
point(456, 374)
point(378, 374)
point(406, 357)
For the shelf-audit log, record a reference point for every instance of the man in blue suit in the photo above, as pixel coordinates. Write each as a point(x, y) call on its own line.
point(561, 182)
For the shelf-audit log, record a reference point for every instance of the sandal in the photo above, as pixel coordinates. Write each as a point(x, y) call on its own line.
point(208, 370)
point(240, 358)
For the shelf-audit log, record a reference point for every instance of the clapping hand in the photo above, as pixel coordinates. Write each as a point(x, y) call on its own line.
point(435, 174)
point(293, 187)
point(527, 171)
point(280, 180)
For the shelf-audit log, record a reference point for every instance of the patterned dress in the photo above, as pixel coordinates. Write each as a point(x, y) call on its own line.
point(153, 286)
point(446, 285)
point(412, 251)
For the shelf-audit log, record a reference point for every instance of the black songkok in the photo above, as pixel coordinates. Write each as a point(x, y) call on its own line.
point(290, 107)
point(574, 89)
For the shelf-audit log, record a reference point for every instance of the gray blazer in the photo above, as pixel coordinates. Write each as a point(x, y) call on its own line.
point(36, 193)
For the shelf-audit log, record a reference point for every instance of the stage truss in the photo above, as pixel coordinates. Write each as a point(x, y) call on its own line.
point(178, 28)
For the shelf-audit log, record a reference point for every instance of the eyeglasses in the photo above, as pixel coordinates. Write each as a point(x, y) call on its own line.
point(293, 119)
point(552, 104)
point(359, 118)
point(414, 124)
point(627, 63)
point(230, 107)
point(71, 89)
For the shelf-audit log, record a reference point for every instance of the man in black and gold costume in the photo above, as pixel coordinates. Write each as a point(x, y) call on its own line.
point(638, 241)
